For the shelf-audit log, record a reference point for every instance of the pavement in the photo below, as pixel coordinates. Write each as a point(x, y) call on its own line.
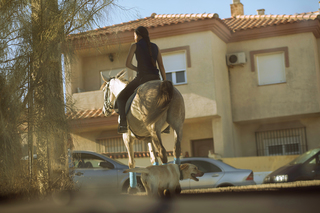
point(303, 196)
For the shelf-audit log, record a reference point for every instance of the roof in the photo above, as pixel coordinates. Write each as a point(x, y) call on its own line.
point(241, 22)
point(244, 22)
point(154, 21)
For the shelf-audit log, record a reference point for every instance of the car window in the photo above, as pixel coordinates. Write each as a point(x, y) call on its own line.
point(304, 157)
point(205, 166)
point(82, 160)
point(315, 160)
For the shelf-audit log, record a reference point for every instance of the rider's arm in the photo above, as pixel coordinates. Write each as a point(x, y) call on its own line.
point(130, 57)
point(161, 67)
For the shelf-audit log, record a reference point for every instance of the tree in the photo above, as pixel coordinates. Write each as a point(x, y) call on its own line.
point(33, 38)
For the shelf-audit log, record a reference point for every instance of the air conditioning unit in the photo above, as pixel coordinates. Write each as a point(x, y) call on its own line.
point(236, 58)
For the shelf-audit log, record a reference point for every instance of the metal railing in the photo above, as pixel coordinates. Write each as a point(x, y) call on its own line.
point(281, 142)
point(116, 145)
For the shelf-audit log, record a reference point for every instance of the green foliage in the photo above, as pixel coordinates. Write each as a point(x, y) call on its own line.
point(33, 37)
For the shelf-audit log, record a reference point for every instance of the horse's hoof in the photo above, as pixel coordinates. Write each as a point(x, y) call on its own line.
point(135, 190)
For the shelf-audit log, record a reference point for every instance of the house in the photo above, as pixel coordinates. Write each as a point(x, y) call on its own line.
point(251, 83)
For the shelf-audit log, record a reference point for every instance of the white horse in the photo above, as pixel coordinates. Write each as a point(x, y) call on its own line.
point(155, 105)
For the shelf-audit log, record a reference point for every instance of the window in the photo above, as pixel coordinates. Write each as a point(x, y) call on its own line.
point(287, 146)
point(270, 64)
point(204, 166)
point(86, 161)
point(175, 66)
point(271, 68)
point(284, 141)
point(116, 145)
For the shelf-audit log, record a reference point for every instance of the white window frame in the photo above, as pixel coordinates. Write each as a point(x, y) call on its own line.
point(275, 67)
point(288, 140)
point(174, 71)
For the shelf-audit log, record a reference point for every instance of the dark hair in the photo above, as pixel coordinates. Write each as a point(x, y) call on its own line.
point(143, 32)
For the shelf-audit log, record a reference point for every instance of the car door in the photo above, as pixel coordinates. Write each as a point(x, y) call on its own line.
point(212, 174)
point(314, 165)
point(311, 168)
point(89, 174)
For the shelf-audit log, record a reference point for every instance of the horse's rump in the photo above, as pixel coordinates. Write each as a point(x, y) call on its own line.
point(162, 103)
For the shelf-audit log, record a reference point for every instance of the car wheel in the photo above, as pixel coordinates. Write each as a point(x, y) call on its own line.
point(139, 188)
point(224, 185)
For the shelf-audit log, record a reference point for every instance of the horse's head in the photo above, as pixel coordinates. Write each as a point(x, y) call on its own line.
point(111, 89)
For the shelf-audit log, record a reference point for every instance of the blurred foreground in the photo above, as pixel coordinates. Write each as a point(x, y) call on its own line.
point(300, 196)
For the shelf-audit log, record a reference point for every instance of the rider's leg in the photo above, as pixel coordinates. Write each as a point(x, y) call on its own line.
point(121, 102)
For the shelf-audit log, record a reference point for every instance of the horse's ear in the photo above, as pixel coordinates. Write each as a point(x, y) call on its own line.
point(121, 74)
point(103, 85)
point(105, 79)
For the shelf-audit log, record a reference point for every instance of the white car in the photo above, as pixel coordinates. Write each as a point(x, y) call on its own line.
point(216, 174)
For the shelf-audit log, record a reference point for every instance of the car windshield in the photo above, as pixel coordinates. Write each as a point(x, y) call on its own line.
point(304, 157)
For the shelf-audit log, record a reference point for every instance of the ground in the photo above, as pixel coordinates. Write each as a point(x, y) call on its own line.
point(303, 196)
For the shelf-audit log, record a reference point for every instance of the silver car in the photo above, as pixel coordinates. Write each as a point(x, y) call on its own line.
point(93, 171)
point(216, 174)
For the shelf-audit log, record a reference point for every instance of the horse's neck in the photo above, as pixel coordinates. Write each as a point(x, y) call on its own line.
point(118, 87)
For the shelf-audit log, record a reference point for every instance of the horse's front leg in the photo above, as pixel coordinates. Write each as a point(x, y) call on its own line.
point(131, 163)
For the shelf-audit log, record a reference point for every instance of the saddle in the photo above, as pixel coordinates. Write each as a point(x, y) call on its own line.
point(128, 103)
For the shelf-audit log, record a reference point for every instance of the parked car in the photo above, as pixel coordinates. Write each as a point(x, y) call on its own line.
point(304, 167)
point(99, 172)
point(216, 174)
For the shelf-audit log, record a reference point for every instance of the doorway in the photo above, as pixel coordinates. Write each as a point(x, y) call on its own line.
point(200, 148)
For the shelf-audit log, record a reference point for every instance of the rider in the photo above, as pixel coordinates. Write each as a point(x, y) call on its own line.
point(147, 54)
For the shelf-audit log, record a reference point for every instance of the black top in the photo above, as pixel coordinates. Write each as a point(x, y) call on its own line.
point(143, 57)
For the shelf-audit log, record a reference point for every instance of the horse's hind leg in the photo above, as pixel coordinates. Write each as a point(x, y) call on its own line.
point(157, 142)
point(177, 144)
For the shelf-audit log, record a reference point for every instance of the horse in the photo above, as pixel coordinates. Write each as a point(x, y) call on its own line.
point(151, 109)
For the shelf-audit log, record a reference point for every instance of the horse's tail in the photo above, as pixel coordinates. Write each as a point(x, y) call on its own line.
point(163, 99)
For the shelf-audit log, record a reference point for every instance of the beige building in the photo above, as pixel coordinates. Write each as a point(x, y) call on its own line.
point(251, 84)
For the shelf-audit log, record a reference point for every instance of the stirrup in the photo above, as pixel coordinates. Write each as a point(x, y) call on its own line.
point(122, 129)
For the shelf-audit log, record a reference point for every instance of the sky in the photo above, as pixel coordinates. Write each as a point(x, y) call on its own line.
point(135, 9)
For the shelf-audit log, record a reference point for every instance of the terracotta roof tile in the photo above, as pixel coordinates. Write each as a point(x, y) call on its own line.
point(244, 22)
point(86, 114)
point(241, 22)
point(153, 21)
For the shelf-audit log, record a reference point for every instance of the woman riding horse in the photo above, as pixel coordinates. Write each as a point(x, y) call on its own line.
point(147, 54)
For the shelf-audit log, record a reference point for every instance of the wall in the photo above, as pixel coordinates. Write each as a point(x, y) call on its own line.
point(260, 164)
point(223, 125)
point(252, 102)
point(246, 141)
